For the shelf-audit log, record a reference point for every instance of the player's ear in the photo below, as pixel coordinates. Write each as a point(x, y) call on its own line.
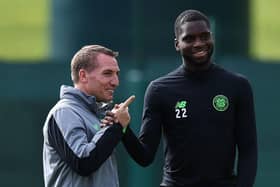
point(176, 44)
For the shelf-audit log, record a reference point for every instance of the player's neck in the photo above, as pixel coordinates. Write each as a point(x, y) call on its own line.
point(193, 67)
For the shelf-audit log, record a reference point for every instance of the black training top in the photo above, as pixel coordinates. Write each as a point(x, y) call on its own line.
point(203, 117)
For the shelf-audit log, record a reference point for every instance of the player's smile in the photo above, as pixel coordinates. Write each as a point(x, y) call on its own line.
point(201, 53)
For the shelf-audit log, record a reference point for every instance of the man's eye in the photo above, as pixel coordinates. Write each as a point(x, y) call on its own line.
point(205, 36)
point(107, 73)
point(189, 39)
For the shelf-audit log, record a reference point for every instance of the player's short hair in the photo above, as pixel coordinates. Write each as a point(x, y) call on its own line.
point(187, 16)
point(85, 58)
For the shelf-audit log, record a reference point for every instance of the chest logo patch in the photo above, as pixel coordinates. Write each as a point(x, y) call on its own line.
point(220, 103)
point(96, 127)
point(180, 109)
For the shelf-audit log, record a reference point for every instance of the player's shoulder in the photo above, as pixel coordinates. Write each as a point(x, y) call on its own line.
point(230, 75)
point(158, 86)
point(168, 78)
point(237, 80)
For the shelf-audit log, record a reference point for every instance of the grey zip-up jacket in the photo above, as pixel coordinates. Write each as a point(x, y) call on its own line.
point(76, 151)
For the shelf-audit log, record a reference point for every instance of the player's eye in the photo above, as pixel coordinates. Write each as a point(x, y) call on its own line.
point(189, 39)
point(205, 36)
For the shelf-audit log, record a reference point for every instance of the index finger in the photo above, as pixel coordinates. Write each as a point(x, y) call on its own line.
point(128, 101)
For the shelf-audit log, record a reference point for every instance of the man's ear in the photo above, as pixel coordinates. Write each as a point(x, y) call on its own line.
point(176, 43)
point(82, 75)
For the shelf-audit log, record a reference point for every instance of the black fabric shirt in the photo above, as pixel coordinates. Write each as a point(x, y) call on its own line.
point(205, 119)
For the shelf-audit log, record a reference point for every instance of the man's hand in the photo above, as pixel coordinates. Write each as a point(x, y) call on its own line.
point(119, 114)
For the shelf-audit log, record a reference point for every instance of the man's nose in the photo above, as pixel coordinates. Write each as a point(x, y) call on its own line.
point(115, 80)
point(198, 42)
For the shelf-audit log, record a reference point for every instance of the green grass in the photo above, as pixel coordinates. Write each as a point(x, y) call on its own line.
point(265, 29)
point(24, 29)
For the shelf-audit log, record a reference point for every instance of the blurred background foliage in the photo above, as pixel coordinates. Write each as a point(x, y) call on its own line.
point(24, 29)
point(264, 30)
point(28, 22)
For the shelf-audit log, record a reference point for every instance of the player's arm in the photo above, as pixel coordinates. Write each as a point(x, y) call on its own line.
point(246, 137)
point(67, 135)
point(143, 148)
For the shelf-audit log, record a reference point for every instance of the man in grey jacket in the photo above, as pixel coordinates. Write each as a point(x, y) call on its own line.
point(77, 152)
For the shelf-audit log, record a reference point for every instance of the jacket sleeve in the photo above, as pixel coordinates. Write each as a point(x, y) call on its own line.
point(67, 135)
point(143, 148)
point(246, 137)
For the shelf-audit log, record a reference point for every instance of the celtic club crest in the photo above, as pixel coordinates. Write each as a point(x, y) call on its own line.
point(220, 103)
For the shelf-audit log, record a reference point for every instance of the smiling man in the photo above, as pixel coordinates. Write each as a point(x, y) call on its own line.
point(204, 113)
point(194, 42)
point(77, 152)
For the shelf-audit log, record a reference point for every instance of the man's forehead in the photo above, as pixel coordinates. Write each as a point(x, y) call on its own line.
point(109, 66)
point(103, 60)
point(195, 27)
